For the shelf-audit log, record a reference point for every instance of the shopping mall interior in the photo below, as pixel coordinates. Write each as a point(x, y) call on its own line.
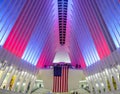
point(59, 46)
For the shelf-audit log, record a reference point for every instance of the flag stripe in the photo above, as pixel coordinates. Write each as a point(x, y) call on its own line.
point(60, 83)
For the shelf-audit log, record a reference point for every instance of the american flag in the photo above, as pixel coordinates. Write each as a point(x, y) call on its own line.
point(60, 79)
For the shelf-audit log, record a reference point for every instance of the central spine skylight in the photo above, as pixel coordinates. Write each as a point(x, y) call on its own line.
point(62, 13)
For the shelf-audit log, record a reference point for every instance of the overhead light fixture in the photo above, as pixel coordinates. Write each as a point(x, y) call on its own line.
point(82, 81)
point(41, 81)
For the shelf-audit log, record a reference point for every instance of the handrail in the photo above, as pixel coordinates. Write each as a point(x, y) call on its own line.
point(87, 90)
point(3, 91)
point(35, 89)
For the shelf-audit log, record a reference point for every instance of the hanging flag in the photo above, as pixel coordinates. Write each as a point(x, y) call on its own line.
point(60, 79)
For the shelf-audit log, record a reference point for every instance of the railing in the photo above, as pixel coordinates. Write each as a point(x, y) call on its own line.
point(87, 89)
point(113, 92)
point(35, 89)
point(41, 91)
point(80, 90)
point(3, 91)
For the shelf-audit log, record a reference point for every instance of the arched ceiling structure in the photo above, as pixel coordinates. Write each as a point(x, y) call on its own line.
point(35, 30)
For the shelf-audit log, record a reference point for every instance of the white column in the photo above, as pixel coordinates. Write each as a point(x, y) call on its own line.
point(31, 85)
point(101, 76)
point(21, 82)
point(89, 84)
point(28, 78)
point(118, 68)
point(110, 73)
point(9, 79)
point(18, 74)
point(4, 75)
point(104, 81)
point(99, 82)
point(109, 78)
point(116, 78)
point(94, 84)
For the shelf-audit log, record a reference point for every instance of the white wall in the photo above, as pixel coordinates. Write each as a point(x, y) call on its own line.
point(47, 76)
point(74, 77)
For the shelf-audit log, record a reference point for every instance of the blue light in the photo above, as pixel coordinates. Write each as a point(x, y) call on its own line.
point(84, 38)
point(111, 17)
point(9, 18)
point(38, 40)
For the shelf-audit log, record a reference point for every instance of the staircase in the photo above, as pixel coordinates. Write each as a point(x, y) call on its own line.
point(41, 91)
point(45, 91)
point(3, 91)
